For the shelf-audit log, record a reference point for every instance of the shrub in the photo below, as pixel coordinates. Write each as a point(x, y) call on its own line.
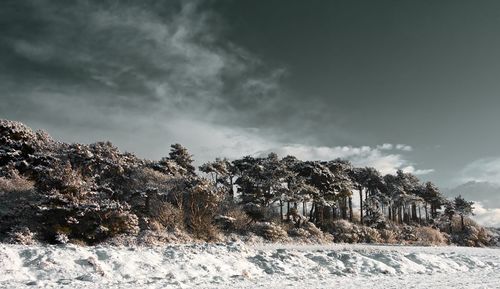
point(22, 236)
point(429, 236)
point(241, 219)
point(312, 229)
point(369, 235)
point(167, 215)
point(270, 231)
point(307, 231)
point(347, 232)
point(15, 184)
point(474, 236)
point(299, 232)
point(388, 236)
point(200, 208)
point(257, 212)
point(122, 223)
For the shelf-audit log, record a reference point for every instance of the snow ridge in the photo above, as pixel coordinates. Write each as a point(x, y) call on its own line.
point(233, 265)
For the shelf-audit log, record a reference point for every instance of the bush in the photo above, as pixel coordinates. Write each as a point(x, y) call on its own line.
point(15, 184)
point(166, 215)
point(257, 212)
point(122, 223)
point(307, 231)
point(22, 236)
point(369, 235)
point(474, 237)
point(429, 236)
point(299, 232)
point(200, 207)
point(270, 231)
point(241, 219)
point(347, 232)
point(312, 229)
point(388, 236)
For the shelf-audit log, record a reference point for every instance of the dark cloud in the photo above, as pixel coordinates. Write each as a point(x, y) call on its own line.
point(242, 77)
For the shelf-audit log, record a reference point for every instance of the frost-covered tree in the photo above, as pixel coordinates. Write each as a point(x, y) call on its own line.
point(181, 157)
point(449, 213)
point(463, 208)
point(222, 173)
point(297, 189)
point(320, 177)
point(343, 184)
point(58, 192)
point(433, 199)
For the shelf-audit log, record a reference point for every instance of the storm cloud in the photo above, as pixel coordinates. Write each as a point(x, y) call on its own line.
point(408, 86)
point(150, 74)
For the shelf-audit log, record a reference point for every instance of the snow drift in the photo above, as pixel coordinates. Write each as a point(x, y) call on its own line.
point(238, 266)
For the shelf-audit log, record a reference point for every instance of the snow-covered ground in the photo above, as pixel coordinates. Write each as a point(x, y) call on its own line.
point(244, 266)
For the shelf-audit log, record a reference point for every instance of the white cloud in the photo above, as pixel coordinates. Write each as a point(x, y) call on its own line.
point(482, 170)
point(386, 146)
point(389, 146)
point(404, 147)
point(486, 217)
point(359, 156)
point(413, 170)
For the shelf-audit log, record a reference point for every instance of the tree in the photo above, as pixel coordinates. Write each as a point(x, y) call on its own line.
point(432, 197)
point(463, 208)
point(374, 183)
point(343, 184)
point(320, 177)
point(261, 180)
point(358, 181)
point(449, 212)
point(181, 157)
point(222, 173)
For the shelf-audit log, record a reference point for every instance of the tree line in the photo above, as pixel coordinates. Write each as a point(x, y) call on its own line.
point(324, 190)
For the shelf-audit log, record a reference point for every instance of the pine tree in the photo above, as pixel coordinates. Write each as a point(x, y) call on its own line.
point(181, 157)
point(463, 208)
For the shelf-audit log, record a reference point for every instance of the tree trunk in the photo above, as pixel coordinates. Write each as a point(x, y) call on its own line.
point(419, 215)
point(311, 212)
point(231, 189)
point(319, 214)
point(360, 205)
point(344, 208)
point(288, 211)
point(281, 210)
point(350, 209)
point(462, 220)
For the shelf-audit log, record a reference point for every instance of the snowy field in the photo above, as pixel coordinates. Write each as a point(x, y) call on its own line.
point(242, 266)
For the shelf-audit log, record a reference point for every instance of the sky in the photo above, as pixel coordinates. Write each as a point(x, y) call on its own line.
point(409, 85)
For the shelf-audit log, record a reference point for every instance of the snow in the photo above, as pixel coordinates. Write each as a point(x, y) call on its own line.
point(236, 265)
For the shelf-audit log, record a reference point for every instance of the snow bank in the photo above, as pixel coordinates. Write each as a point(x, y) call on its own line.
point(238, 266)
